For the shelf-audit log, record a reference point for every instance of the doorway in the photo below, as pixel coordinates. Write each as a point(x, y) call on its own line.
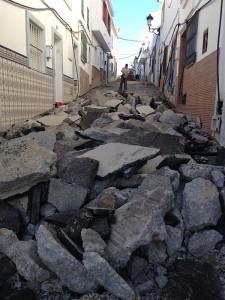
point(57, 67)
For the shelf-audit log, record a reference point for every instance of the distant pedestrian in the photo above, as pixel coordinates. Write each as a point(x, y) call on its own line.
point(123, 79)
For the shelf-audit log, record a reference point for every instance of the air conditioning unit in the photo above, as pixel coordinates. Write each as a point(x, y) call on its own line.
point(216, 123)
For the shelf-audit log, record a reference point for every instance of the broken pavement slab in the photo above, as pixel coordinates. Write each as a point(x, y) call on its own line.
point(24, 255)
point(107, 277)
point(114, 103)
point(52, 120)
point(116, 157)
point(69, 270)
point(23, 164)
point(145, 109)
point(145, 212)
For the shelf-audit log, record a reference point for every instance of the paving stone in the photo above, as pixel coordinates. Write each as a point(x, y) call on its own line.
point(170, 117)
point(145, 212)
point(92, 242)
point(68, 269)
point(201, 242)
point(115, 157)
point(45, 139)
point(38, 164)
point(113, 103)
point(106, 276)
point(102, 134)
point(52, 120)
point(24, 255)
point(168, 144)
point(66, 196)
point(7, 268)
point(89, 118)
point(145, 109)
point(201, 204)
point(80, 171)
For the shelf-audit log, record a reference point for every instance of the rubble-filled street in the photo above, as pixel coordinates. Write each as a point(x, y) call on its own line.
point(113, 196)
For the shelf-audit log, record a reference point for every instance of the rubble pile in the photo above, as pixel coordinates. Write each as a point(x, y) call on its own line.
point(100, 201)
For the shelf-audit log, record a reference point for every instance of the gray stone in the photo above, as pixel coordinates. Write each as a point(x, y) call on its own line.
point(9, 217)
point(23, 164)
point(156, 252)
point(201, 242)
point(23, 255)
point(145, 287)
point(106, 276)
point(45, 139)
point(7, 268)
point(168, 144)
point(145, 109)
point(123, 109)
point(201, 204)
point(170, 117)
point(160, 270)
point(101, 134)
point(18, 129)
point(135, 265)
point(80, 171)
point(199, 139)
point(145, 212)
point(174, 240)
point(218, 178)
point(99, 186)
point(96, 108)
point(66, 196)
point(92, 242)
point(104, 120)
point(64, 146)
point(174, 161)
point(109, 198)
point(21, 205)
point(132, 182)
point(69, 270)
point(162, 281)
point(165, 177)
point(113, 103)
point(47, 209)
point(192, 170)
point(151, 165)
point(52, 120)
point(115, 157)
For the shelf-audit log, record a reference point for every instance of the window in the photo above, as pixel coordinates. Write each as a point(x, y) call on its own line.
point(205, 41)
point(83, 48)
point(87, 17)
point(36, 47)
point(69, 3)
point(82, 8)
point(191, 41)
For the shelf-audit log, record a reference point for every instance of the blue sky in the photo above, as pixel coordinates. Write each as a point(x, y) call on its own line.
point(130, 16)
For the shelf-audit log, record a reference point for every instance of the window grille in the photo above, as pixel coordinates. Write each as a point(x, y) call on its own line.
point(36, 52)
point(191, 41)
point(83, 48)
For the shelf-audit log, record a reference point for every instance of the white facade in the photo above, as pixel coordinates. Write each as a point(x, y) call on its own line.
point(66, 43)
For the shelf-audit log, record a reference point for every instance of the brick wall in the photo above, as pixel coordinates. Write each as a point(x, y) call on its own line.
point(199, 85)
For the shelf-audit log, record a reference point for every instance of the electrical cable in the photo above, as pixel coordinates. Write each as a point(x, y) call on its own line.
point(126, 56)
point(120, 38)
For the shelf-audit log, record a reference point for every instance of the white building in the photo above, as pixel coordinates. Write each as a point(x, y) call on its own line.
point(51, 51)
point(192, 60)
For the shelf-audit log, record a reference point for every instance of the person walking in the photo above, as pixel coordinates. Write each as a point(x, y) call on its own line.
point(123, 80)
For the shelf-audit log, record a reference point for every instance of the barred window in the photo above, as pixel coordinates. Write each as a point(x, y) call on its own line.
point(83, 48)
point(36, 50)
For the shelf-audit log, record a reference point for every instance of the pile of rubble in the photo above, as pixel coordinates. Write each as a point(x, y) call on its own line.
point(98, 201)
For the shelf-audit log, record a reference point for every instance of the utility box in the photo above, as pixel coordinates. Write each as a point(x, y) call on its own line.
point(216, 123)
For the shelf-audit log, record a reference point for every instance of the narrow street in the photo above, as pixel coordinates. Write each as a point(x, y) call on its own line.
point(113, 196)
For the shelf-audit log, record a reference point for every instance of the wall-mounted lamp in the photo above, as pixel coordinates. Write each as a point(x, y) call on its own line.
point(149, 23)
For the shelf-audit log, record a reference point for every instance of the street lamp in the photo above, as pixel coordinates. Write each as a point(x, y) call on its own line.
point(149, 23)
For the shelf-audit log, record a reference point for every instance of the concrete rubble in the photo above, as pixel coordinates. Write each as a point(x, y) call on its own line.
point(102, 197)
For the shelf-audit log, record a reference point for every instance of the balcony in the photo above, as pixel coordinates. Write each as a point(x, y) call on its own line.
point(101, 33)
point(143, 57)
